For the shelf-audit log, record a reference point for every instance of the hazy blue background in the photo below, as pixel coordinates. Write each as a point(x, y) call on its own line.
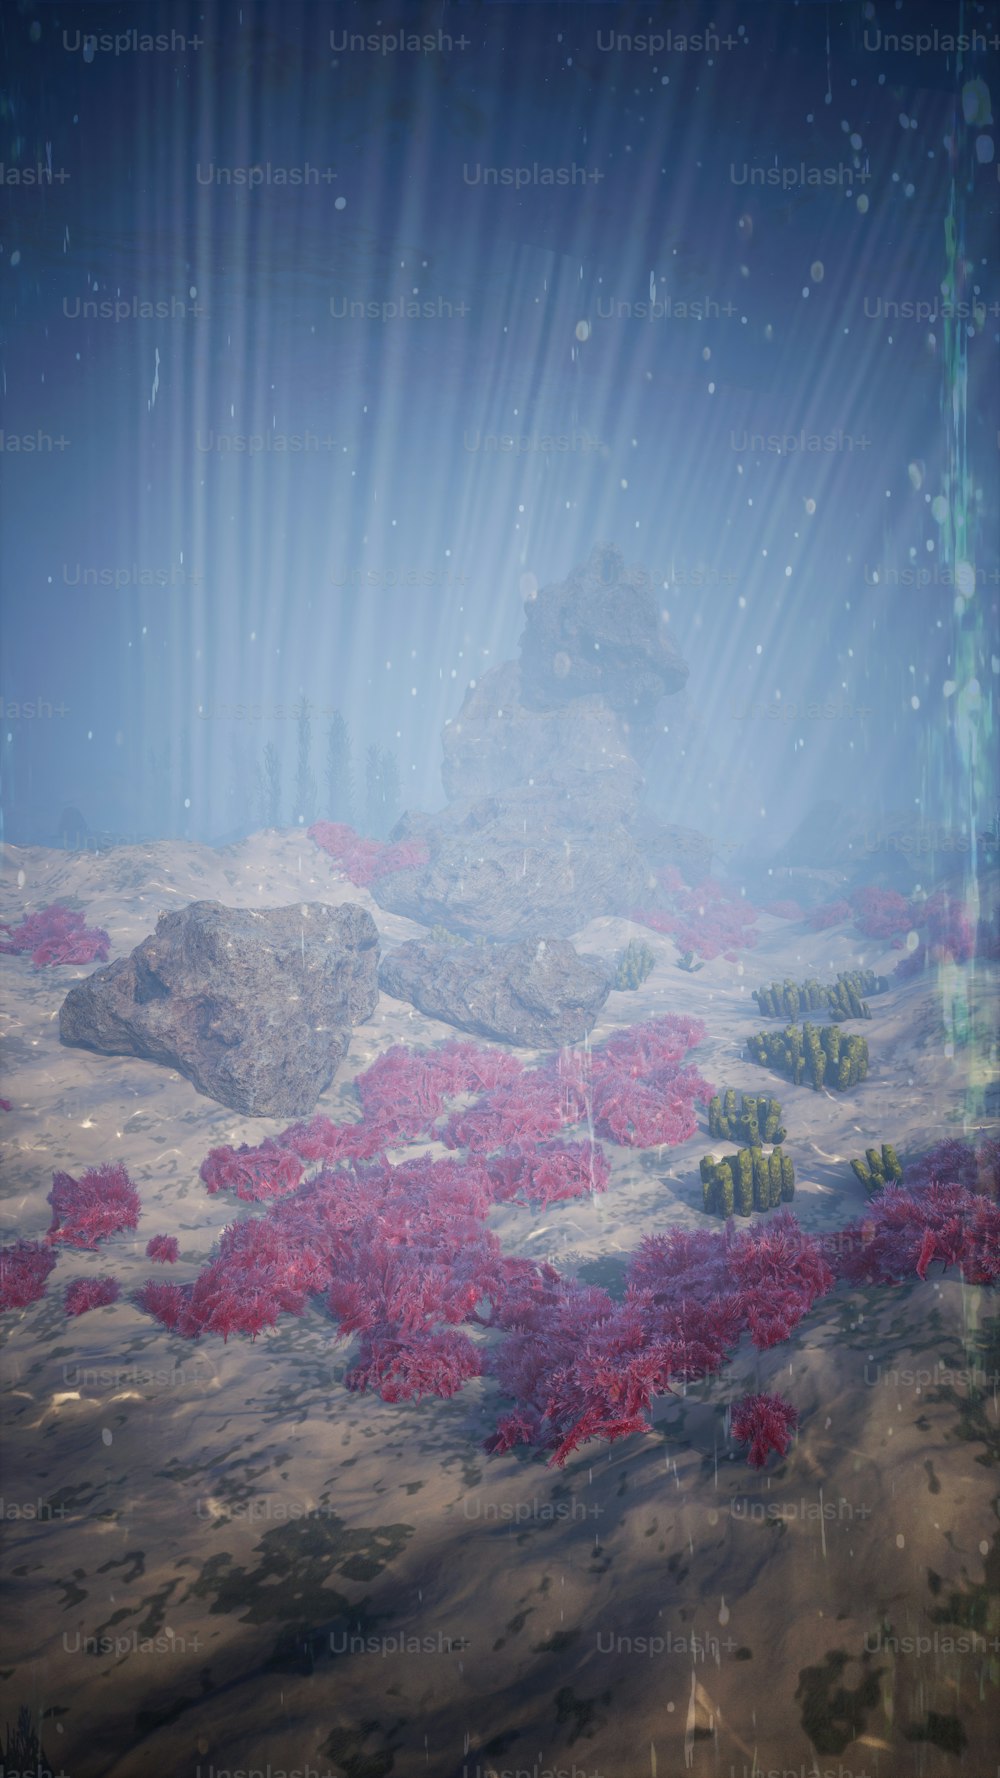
point(278, 569)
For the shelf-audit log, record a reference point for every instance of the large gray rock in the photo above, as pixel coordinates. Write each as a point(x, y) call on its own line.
point(538, 993)
point(254, 1006)
point(600, 631)
point(577, 752)
point(513, 866)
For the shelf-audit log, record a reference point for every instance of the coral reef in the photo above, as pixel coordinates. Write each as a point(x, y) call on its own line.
point(24, 1268)
point(102, 1202)
point(634, 965)
point(163, 1248)
point(56, 934)
point(253, 1173)
point(905, 1231)
point(878, 1170)
point(365, 861)
point(821, 1056)
point(746, 1181)
point(974, 1165)
point(766, 1424)
point(843, 998)
point(90, 1293)
point(756, 1120)
point(705, 921)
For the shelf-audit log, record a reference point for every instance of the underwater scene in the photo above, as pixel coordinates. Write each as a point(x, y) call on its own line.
point(499, 889)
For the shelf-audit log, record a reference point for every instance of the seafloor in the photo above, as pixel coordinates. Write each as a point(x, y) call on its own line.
point(193, 1531)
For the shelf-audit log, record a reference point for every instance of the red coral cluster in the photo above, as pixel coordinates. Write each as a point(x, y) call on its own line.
point(365, 861)
point(580, 1366)
point(163, 1248)
point(90, 1293)
point(880, 913)
point(56, 934)
point(86, 1210)
point(24, 1268)
point(707, 920)
point(253, 1173)
point(976, 1166)
point(766, 1424)
point(904, 1232)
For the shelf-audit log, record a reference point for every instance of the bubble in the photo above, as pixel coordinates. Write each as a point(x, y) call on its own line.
point(900, 1540)
point(105, 1436)
point(912, 940)
point(561, 665)
point(583, 330)
point(817, 271)
point(915, 471)
point(340, 203)
point(914, 702)
point(810, 505)
point(863, 205)
point(939, 508)
point(984, 150)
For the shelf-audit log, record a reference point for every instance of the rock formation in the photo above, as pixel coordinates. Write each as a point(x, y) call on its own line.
point(543, 829)
point(254, 1006)
point(540, 995)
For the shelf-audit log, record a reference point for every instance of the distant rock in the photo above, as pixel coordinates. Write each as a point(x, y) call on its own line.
point(511, 866)
point(254, 1006)
point(578, 752)
point(600, 632)
point(540, 993)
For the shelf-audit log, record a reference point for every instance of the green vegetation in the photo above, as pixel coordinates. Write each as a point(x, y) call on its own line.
point(634, 965)
point(756, 1121)
point(786, 1000)
point(877, 1169)
point(746, 1181)
point(823, 1057)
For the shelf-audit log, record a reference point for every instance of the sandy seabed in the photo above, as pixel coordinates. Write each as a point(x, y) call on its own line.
point(218, 1561)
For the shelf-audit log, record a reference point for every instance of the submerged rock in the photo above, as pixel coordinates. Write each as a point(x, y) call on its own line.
point(509, 867)
point(254, 1006)
point(538, 993)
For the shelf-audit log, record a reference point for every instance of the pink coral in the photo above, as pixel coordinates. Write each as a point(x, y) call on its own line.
point(253, 1173)
point(904, 1232)
point(163, 1248)
point(86, 1210)
point(365, 861)
point(24, 1267)
point(707, 920)
point(881, 913)
point(766, 1424)
point(90, 1293)
point(976, 1166)
point(56, 934)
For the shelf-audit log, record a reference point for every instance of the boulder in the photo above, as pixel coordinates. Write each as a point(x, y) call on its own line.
point(578, 752)
point(512, 866)
point(254, 1006)
point(537, 993)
